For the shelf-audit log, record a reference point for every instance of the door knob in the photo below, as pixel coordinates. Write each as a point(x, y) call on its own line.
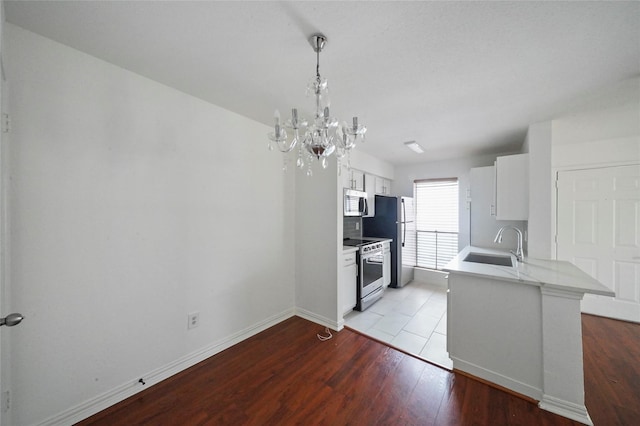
point(11, 320)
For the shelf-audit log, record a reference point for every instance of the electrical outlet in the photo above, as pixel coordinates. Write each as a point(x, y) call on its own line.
point(193, 320)
point(357, 226)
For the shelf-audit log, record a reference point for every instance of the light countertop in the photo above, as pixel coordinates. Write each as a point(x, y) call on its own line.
point(378, 240)
point(548, 273)
point(350, 249)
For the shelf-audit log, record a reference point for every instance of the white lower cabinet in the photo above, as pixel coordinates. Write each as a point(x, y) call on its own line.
point(348, 282)
point(386, 264)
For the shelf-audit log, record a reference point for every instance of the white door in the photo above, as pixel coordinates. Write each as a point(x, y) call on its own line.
point(598, 229)
point(3, 304)
point(5, 379)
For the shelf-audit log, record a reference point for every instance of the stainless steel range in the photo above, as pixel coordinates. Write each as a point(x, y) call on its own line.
point(370, 260)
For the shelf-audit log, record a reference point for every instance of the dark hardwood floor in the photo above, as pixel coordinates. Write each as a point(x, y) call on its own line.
point(285, 375)
point(611, 352)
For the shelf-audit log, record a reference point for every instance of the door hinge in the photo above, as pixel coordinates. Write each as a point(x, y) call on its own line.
point(6, 123)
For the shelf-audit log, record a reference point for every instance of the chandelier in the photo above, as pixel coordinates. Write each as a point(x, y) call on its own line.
point(322, 136)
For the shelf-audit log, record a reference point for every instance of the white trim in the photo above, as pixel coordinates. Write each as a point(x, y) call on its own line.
point(550, 290)
point(566, 409)
point(430, 276)
point(554, 214)
point(497, 378)
point(573, 167)
point(5, 253)
point(319, 319)
point(125, 390)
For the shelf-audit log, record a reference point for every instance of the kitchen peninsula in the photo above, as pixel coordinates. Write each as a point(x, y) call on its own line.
point(519, 326)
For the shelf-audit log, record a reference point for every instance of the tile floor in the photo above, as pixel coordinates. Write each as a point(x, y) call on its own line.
point(412, 318)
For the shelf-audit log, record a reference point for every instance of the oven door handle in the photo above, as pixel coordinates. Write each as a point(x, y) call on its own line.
point(371, 259)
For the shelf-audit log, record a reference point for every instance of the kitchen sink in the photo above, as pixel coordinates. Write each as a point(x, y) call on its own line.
point(490, 259)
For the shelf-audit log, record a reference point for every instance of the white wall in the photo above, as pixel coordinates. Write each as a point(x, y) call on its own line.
point(606, 130)
point(318, 227)
point(132, 205)
point(609, 135)
point(538, 145)
point(319, 220)
point(602, 129)
point(362, 161)
point(405, 175)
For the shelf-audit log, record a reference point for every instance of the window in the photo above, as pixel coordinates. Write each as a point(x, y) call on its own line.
point(436, 221)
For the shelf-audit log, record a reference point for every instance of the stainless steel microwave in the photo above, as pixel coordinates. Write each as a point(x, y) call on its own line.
point(355, 203)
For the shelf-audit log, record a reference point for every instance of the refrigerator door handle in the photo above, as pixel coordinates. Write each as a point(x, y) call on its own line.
point(404, 234)
point(404, 223)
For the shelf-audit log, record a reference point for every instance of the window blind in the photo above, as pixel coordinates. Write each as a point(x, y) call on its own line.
point(436, 221)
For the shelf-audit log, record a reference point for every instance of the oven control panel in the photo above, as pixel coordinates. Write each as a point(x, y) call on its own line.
point(371, 247)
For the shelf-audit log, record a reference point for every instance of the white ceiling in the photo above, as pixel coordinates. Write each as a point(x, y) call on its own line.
point(460, 78)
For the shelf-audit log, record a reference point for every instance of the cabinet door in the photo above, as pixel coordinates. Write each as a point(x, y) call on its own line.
point(349, 287)
point(379, 186)
point(383, 186)
point(483, 225)
point(386, 269)
point(357, 178)
point(512, 187)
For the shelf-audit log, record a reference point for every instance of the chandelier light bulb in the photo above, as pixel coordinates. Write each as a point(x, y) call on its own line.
point(276, 118)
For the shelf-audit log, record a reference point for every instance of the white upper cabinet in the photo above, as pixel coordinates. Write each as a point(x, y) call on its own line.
point(512, 187)
point(362, 181)
point(354, 180)
point(383, 186)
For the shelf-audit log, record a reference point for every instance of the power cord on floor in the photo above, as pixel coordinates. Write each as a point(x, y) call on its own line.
point(324, 338)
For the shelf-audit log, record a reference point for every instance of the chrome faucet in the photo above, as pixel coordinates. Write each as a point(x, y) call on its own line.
point(518, 253)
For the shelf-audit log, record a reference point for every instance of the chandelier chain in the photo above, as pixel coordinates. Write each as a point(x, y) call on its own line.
point(318, 65)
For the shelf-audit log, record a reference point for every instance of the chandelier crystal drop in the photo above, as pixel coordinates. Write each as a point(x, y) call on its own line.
point(322, 136)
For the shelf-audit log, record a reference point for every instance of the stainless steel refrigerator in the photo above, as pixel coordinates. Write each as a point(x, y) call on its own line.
point(395, 219)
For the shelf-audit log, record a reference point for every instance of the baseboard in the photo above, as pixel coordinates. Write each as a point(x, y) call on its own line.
point(566, 409)
point(124, 391)
point(319, 319)
point(431, 276)
point(497, 378)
